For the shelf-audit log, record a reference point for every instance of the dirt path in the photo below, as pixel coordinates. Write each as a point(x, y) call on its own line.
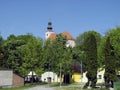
point(40, 88)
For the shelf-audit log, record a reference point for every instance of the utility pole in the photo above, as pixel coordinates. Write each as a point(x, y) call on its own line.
point(81, 74)
point(60, 75)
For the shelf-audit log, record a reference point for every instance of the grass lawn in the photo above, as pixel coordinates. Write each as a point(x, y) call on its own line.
point(56, 86)
point(72, 87)
point(77, 88)
point(18, 88)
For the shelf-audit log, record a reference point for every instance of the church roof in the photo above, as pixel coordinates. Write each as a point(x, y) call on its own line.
point(68, 36)
point(52, 36)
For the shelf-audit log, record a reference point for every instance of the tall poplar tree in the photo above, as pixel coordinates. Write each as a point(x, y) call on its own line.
point(2, 61)
point(110, 64)
point(91, 59)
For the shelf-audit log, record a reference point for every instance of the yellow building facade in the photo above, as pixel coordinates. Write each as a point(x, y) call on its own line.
point(76, 77)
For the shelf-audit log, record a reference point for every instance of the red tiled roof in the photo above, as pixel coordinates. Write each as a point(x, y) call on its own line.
point(52, 36)
point(68, 36)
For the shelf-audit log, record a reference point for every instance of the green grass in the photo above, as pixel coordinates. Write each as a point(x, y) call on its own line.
point(18, 88)
point(77, 88)
point(53, 85)
point(73, 87)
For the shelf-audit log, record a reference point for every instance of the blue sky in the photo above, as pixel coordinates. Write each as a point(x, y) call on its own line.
point(19, 17)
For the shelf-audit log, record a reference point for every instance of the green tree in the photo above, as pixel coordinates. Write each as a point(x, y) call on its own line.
point(114, 35)
point(64, 56)
point(23, 53)
point(81, 38)
point(101, 52)
point(32, 55)
point(79, 49)
point(91, 59)
point(110, 64)
point(2, 61)
point(11, 53)
point(57, 53)
point(115, 41)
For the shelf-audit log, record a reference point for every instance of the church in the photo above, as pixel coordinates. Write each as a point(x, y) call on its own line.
point(50, 34)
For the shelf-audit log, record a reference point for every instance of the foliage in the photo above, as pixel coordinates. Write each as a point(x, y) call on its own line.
point(57, 53)
point(32, 53)
point(81, 38)
point(2, 65)
point(11, 53)
point(23, 54)
point(110, 63)
point(101, 52)
point(80, 47)
point(114, 35)
point(91, 59)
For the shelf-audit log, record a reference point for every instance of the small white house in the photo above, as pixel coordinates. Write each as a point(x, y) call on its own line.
point(31, 75)
point(49, 77)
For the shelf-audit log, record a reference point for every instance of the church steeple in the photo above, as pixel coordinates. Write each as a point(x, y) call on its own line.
point(49, 31)
point(49, 28)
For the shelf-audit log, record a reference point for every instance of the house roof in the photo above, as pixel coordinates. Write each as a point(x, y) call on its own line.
point(52, 36)
point(68, 36)
point(32, 73)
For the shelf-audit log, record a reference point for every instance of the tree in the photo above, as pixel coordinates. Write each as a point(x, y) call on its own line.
point(64, 56)
point(23, 53)
point(115, 41)
point(114, 35)
point(2, 62)
point(32, 55)
point(81, 38)
point(79, 49)
point(57, 53)
point(11, 53)
point(101, 52)
point(91, 59)
point(110, 64)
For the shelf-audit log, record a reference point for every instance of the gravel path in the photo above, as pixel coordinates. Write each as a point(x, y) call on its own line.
point(40, 88)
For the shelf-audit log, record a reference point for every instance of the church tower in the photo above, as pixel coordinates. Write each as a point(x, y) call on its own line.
point(49, 30)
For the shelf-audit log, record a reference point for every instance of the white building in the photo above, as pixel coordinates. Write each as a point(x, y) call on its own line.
point(9, 79)
point(49, 77)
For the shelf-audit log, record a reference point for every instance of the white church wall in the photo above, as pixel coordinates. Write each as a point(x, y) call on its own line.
point(70, 43)
point(47, 34)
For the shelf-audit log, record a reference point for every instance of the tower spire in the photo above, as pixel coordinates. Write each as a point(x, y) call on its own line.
point(49, 31)
point(49, 28)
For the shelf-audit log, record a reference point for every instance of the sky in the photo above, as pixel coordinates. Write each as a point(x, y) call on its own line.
point(20, 17)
